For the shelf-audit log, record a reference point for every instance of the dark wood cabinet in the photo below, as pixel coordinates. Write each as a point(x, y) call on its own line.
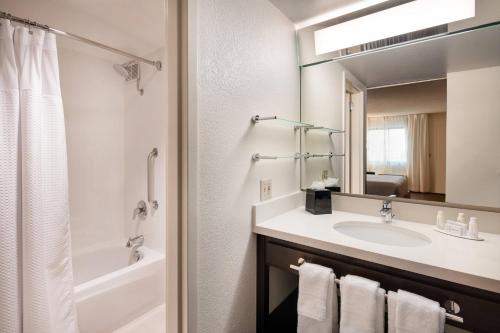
point(480, 309)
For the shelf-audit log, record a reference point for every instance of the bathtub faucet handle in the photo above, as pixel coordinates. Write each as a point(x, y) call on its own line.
point(141, 210)
point(135, 241)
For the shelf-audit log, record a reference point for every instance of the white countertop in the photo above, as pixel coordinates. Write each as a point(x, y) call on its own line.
point(473, 263)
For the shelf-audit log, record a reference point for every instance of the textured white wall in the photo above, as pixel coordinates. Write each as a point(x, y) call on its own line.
point(246, 65)
point(472, 137)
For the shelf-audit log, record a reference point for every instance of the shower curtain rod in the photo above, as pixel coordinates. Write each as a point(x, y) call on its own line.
point(155, 63)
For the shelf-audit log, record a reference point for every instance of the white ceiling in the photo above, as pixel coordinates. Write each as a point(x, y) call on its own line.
point(301, 11)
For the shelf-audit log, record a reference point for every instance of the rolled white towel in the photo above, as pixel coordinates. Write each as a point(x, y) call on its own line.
point(331, 182)
point(317, 185)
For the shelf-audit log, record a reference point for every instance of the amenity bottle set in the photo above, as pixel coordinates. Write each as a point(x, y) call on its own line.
point(458, 228)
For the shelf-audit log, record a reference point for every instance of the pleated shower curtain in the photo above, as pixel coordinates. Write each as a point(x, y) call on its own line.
point(36, 279)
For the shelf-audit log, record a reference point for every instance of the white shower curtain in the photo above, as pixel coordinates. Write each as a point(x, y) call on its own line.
point(36, 279)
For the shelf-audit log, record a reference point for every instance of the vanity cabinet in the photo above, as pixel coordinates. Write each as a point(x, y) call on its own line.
point(480, 309)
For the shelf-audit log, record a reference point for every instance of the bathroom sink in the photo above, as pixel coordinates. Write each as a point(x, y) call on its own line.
point(381, 233)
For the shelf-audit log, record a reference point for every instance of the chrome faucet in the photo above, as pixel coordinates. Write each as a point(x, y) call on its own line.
point(135, 242)
point(386, 211)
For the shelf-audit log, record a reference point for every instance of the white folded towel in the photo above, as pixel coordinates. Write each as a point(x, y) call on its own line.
point(359, 306)
point(314, 281)
point(411, 313)
point(392, 302)
point(380, 314)
point(328, 325)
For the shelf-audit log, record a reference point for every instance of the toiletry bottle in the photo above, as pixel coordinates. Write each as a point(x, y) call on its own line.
point(463, 225)
point(440, 220)
point(473, 229)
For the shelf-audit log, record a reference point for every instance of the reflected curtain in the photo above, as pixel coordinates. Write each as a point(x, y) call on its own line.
point(36, 282)
point(387, 145)
point(418, 153)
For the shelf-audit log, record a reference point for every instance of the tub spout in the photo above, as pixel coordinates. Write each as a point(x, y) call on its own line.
point(136, 241)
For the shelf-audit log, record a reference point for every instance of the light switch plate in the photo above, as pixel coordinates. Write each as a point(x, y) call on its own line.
point(266, 189)
point(324, 175)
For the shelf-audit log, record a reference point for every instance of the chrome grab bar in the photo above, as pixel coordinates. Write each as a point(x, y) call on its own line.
point(151, 178)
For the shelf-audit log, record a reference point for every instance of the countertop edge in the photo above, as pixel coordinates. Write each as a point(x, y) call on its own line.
point(407, 265)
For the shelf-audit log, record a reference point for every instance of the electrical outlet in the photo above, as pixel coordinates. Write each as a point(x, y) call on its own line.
point(324, 175)
point(266, 189)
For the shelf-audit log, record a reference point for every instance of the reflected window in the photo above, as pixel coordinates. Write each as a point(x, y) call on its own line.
point(387, 145)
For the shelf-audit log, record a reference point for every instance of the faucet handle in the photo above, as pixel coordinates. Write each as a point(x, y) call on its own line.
point(141, 210)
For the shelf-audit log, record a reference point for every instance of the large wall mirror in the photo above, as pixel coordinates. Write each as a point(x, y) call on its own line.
point(418, 119)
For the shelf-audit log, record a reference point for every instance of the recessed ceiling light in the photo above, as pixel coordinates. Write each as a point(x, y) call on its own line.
point(412, 16)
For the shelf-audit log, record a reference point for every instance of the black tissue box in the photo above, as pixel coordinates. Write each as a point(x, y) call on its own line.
point(319, 201)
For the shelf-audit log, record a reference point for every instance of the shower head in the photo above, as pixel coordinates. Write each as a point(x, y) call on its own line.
point(129, 70)
point(120, 69)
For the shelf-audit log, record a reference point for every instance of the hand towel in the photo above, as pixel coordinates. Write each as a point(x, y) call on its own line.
point(416, 314)
point(392, 302)
point(358, 307)
point(328, 325)
point(380, 314)
point(314, 281)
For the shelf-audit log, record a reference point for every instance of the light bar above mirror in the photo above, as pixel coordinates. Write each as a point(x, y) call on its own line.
point(409, 17)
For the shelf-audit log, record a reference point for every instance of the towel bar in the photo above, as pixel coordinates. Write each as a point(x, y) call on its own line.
point(449, 316)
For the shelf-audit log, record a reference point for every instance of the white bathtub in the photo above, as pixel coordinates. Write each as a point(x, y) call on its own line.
point(109, 293)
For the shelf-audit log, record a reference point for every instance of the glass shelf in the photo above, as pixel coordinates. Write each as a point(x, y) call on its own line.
point(323, 129)
point(257, 157)
point(282, 121)
point(329, 155)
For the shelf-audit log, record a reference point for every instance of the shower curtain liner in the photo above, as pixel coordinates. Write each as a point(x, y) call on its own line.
point(36, 279)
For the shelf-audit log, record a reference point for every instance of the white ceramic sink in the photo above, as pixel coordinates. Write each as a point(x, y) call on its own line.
point(382, 233)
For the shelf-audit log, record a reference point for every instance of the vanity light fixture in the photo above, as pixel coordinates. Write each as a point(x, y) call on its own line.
point(409, 17)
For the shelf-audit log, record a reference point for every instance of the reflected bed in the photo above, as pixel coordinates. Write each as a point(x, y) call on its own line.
point(387, 185)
